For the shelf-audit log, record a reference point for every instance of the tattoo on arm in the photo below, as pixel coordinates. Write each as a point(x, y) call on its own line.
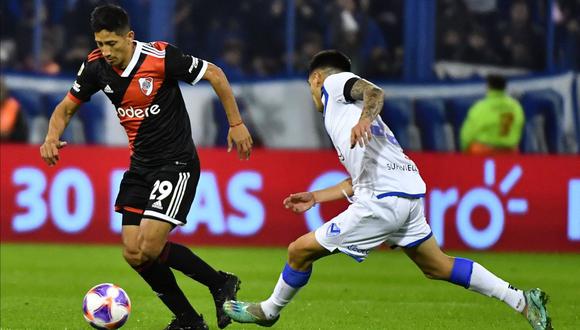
point(371, 95)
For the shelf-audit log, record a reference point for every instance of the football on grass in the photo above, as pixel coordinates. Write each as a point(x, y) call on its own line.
point(106, 306)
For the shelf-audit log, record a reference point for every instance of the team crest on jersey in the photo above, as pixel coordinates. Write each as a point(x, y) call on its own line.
point(333, 230)
point(146, 85)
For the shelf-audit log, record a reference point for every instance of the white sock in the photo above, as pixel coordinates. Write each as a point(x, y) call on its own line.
point(484, 282)
point(281, 296)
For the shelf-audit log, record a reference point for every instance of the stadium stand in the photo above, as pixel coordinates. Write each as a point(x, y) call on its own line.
point(543, 130)
point(222, 126)
point(457, 109)
point(74, 132)
point(436, 133)
point(32, 106)
point(86, 127)
point(399, 115)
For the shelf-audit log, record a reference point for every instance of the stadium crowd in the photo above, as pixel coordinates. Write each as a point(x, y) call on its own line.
point(502, 33)
point(506, 35)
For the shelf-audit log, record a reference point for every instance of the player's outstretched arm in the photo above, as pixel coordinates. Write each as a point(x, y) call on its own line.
point(238, 132)
point(59, 119)
point(303, 201)
point(373, 98)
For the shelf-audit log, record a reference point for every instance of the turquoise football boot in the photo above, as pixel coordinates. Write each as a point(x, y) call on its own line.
point(244, 312)
point(537, 313)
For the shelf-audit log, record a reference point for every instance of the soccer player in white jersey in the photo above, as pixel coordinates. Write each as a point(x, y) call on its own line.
point(385, 190)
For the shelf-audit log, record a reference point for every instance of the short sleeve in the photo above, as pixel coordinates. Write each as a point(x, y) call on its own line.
point(183, 67)
point(339, 85)
point(85, 85)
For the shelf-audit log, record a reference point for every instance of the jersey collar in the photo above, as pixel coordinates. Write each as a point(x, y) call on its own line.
point(134, 59)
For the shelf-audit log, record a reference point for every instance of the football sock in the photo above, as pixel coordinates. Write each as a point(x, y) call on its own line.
point(475, 277)
point(163, 283)
point(485, 282)
point(183, 259)
point(289, 282)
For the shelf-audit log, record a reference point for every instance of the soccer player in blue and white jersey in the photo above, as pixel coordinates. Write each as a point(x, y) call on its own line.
point(385, 190)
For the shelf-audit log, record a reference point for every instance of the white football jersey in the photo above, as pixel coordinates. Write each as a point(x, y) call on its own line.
point(380, 168)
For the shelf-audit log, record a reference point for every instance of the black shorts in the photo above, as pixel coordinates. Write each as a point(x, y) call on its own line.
point(164, 193)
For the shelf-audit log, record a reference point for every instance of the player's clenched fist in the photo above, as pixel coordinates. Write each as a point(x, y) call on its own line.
point(49, 151)
point(300, 202)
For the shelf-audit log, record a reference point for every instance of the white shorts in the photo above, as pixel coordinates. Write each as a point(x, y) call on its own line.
point(369, 222)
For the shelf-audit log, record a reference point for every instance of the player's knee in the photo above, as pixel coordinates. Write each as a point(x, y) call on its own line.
point(149, 250)
point(133, 256)
point(295, 254)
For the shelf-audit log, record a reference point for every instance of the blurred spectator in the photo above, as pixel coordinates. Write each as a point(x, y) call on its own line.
point(453, 23)
point(76, 18)
point(453, 13)
point(7, 52)
point(494, 123)
point(481, 7)
point(344, 32)
point(13, 125)
point(267, 19)
point(479, 49)
point(484, 11)
point(370, 31)
point(355, 33)
point(566, 14)
point(389, 17)
point(72, 57)
point(8, 21)
point(312, 43)
point(189, 23)
point(521, 38)
point(28, 19)
point(231, 59)
point(374, 50)
point(379, 64)
point(451, 44)
point(307, 17)
point(220, 30)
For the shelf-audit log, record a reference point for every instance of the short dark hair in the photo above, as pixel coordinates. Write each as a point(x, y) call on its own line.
point(496, 81)
point(329, 59)
point(111, 18)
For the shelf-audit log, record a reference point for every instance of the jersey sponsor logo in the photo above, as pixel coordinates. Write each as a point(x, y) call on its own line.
point(138, 113)
point(146, 85)
point(402, 167)
point(356, 249)
point(108, 89)
point(76, 86)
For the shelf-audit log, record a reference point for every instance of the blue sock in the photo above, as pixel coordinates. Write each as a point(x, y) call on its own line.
point(461, 272)
point(295, 278)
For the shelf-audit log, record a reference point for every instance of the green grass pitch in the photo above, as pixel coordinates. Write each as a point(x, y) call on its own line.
point(42, 287)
